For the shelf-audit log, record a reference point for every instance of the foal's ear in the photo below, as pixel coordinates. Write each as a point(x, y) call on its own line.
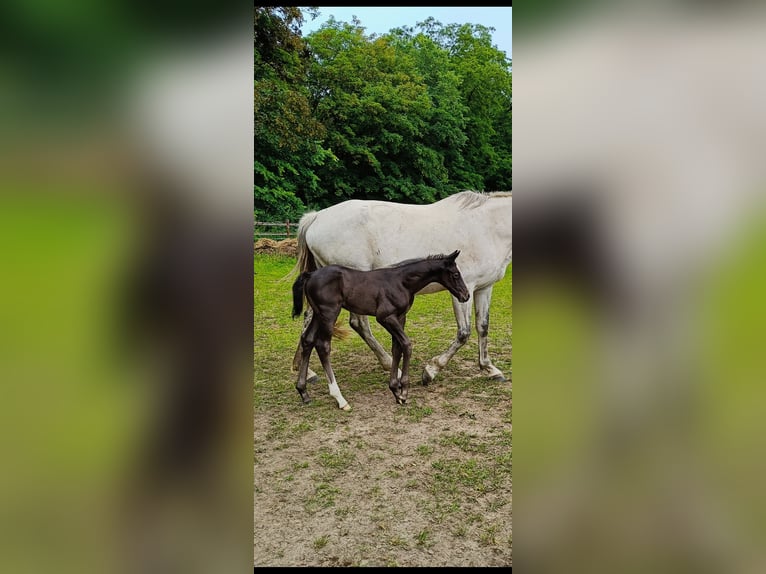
point(454, 254)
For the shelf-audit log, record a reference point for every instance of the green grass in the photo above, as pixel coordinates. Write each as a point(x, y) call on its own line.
point(423, 538)
point(337, 461)
point(452, 475)
point(424, 450)
point(321, 542)
point(397, 542)
point(323, 497)
point(487, 536)
point(416, 413)
point(344, 511)
point(465, 442)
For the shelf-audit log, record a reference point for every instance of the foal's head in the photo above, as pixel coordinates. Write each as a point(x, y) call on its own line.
point(450, 277)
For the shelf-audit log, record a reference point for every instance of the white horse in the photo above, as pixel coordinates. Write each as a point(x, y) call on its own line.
point(366, 234)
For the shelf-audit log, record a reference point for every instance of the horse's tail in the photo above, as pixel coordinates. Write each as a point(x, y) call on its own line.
point(298, 294)
point(340, 332)
point(306, 261)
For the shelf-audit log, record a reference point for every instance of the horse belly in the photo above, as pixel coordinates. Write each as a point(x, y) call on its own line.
point(359, 300)
point(362, 305)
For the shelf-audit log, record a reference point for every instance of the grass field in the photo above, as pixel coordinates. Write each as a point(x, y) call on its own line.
point(428, 483)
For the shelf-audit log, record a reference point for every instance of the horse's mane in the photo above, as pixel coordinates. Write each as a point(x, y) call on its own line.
point(417, 260)
point(472, 199)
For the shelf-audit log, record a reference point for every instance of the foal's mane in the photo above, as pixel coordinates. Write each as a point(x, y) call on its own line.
point(472, 199)
point(417, 260)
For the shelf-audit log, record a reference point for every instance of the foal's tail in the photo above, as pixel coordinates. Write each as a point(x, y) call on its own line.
point(298, 293)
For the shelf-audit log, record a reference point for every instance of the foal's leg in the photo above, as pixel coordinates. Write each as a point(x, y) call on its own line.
point(482, 300)
point(311, 376)
point(323, 350)
point(406, 350)
point(394, 371)
point(361, 324)
point(401, 345)
point(307, 343)
point(463, 317)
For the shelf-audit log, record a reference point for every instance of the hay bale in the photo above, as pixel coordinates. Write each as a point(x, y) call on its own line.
point(271, 247)
point(288, 247)
point(265, 245)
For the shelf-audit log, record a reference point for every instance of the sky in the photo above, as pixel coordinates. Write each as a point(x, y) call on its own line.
point(380, 20)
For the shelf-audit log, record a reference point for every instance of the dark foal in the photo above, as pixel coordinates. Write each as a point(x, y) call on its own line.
point(386, 293)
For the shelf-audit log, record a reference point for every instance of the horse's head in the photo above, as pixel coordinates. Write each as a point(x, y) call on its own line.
point(452, 279)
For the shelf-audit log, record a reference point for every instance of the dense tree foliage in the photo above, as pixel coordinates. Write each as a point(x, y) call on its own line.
point(411, 116)
point(287, 136)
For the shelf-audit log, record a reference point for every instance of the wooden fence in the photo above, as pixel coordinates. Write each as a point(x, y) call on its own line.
point(274, 230)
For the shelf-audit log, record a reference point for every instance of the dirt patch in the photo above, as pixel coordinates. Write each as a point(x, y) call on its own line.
point(427, 484)
point(271, 247)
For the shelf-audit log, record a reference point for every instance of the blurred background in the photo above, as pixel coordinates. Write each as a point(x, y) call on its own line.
point(126, 288)
point(126, 309)
point(639, 279)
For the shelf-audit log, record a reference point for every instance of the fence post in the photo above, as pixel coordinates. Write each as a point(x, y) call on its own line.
point(287, 224)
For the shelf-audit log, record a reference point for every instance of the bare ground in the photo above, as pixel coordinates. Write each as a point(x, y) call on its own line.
point(425, 484)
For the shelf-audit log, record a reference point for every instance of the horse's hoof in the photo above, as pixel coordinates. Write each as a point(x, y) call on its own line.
point(312, 380)
point(346, 407)
point(429, 374)
point(400, 401)
point(498, 379)
point(306, 400)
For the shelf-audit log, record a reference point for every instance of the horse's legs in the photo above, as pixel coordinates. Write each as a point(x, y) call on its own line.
point(323, 350)
point(463, 317)
point(482, 299)
point(311, 376)
point(401, 346)
point(406, 349)
point(394, 382)
point(307, 343)
point(361, 324)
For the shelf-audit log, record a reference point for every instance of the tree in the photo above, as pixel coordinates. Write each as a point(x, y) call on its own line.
point(485, 85)
point(377, 109)
point(445, 129)
point(411, 116)
point(288, 139)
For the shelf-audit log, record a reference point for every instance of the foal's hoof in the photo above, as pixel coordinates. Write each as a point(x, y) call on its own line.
point(498, 379)
point(400, 401)
point(312, 380)
point(346, 407)
point(306, 400)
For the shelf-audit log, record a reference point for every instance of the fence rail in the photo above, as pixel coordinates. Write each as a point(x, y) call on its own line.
point(288, 229)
